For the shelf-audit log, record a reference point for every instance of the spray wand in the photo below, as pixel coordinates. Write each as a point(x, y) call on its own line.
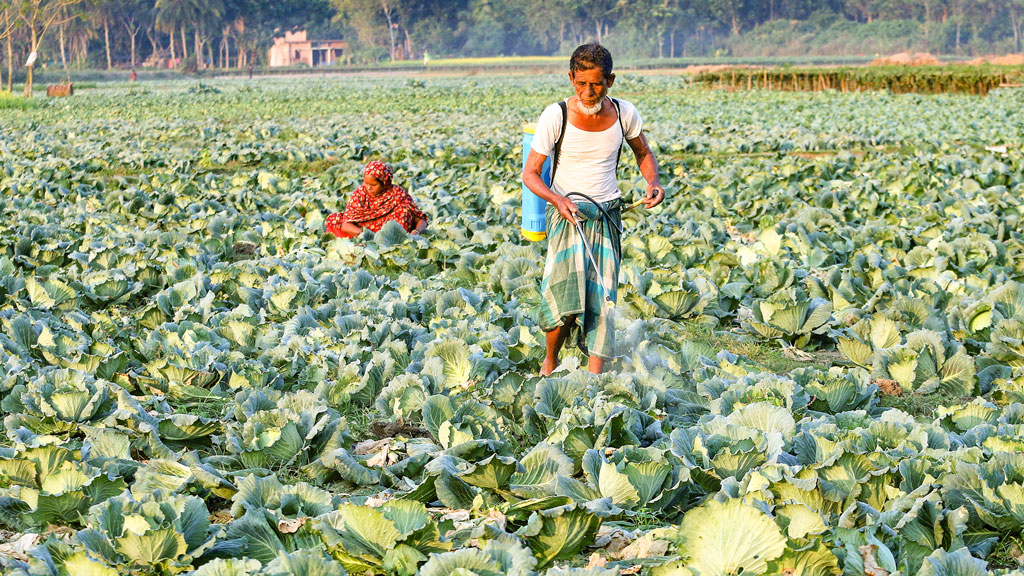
point(608, 302)
point(631, 206)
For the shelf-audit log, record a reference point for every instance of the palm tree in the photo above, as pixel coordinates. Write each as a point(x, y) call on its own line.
point(205, 12)
point(105, 13)
point(77, 33)
point(172, 15)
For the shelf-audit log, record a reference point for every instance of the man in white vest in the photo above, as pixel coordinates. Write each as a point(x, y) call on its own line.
point(584, 135)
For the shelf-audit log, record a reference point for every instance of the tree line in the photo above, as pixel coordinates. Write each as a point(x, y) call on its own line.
point(687, 28)
point(237, 33)
point(130, 33)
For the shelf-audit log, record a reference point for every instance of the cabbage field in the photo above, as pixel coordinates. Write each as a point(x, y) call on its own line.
point(821, 334)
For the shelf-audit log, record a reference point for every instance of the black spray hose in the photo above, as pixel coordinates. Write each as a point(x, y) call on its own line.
point(607, 303)
point(599, 207)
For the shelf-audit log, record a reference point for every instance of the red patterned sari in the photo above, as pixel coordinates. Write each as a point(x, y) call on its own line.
point(371, 212)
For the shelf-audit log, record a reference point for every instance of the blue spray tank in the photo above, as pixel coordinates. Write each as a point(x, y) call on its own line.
point(533, 225)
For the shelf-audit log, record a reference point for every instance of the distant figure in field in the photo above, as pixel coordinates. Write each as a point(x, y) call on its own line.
point(584, 135)
point(374, 203)
point(426, 57)
point(134, 75)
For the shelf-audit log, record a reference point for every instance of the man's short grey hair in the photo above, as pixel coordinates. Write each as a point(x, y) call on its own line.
point(590, 56)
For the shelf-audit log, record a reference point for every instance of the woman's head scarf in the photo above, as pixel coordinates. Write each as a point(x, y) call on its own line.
point(381, 171)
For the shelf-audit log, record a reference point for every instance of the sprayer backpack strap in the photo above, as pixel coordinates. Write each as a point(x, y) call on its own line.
point(618, 112)
point(558, 143)
point(561, 135)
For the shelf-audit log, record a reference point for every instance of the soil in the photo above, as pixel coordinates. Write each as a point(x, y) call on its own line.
point(830, 357)
point(906, 59)
point(386, 429)
point(1006, 60)
point(701, 68)
point(221, 517)
point(889, 387)
point(244, 248)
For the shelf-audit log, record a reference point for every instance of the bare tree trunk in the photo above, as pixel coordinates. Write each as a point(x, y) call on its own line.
point(10, 50)
point(131, 37)
point(391, 27)
point(10, 64)
point(927, 21)
point(1015, 23)
point(184, 45)
point(28, 70)
point(63, 52)
point(408, 43)
point(106, 40)
point(209, 52)
point(171, 36)
point(672, 43)
point(199, 48)
point(152, 41)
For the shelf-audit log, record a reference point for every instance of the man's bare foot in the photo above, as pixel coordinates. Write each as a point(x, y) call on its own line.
point(548, 367)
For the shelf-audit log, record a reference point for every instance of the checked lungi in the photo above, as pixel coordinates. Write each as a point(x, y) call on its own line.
point(570, 285)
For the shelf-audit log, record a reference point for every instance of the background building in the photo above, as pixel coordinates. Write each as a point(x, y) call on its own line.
point(294, 48)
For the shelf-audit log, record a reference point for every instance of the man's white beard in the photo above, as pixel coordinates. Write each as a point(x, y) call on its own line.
point(589, 110)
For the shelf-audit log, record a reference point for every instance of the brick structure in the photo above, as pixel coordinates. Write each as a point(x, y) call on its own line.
point(294, 49)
